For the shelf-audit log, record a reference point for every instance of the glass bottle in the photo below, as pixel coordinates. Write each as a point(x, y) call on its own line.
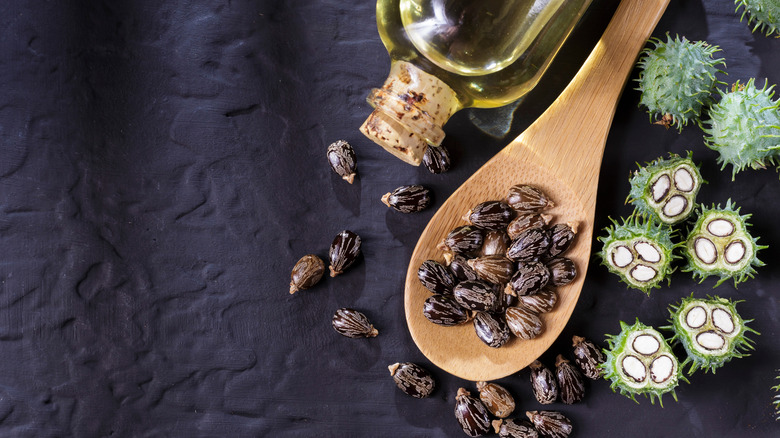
point(447, 55)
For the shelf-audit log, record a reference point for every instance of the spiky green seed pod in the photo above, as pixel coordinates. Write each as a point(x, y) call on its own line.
point(719, 244)
point(666, 190)
point(640, 361)
point(744, 127)
point(777, 399)
point(711, 331)
point(677, 78)
point(766, 14)
point(639, 252)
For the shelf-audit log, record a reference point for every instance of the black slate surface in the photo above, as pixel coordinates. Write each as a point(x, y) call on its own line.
point(162, 168)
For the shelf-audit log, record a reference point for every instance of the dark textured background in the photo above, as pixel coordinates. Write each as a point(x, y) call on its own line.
point(162, 167)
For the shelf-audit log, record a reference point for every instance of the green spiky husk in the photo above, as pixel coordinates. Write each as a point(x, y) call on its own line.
point(777, 399)
point(634, 229)
point(676, 79)
point(765, 14)
point(641, 187)
point(736, 345)
point(744, 127)
point(740, 272)
point(619, 347)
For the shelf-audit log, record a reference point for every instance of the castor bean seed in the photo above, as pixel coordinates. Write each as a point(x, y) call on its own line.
point(412, 379)
point(515, 429)
point(306, 273)
point(571, 385)
point(459, 266)
point(444, 310)
point(529, 245)
point(342, 160)
point(523, 323)
point(477, 295)
point(496, 399)
point(490, 215)
point(562, 271)
point(436, 277)
point(491, 328)
point(528, 199)
point(588, 357)
point(540, 302)
point(530, 278)
point(550, 423)
point(496, 242)
point(543, 383)
point(466, 239)
point(471, 414)
point(561, 238)
point(353, 324)
point(436, 159)
point(526, 222)
point(344, 251)
point(495, 269)
point(408, 199)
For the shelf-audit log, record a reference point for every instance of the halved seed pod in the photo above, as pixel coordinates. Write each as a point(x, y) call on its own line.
point(436, 277)
point(528, 199)
point(459, 266)
point(471, 414)
point(306, 273)
point(444, 310)
point(530, 278)
point(543, 383)
point(466, 239)
point(527, 221)
point(342, 160)
point(529, 245)
point(490, 215)
point(570, 382)
point(496, 242)
point(523, 323)
point(436, 159)
point(408, 199)
point(353, 324)
point(540, 302)
point(412, 379)
point(496, 399)
point(562, 271)
point(344, 251)
point(561, 236)
point(588, 357)
point(550, 423)
point(477, 295)
point(495, 269)
point(514, 429)
point(491, 329)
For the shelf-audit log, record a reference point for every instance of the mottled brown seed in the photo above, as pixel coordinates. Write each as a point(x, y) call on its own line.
point(459, 266)
point(344, 251)
point(496, 242)
point(466, 239)
point(526, 222)
point(514, 429)
point(540, 302)
point(528, 199)
point(306, 273)
point(543, 383)
point(342, 160)
point(529, 279)
point(436, 277)
point(444, 310)
point(529, 245)
point(471, 414)
point(490, 215)
point(491, 328)
point(523, 323)
point(353, 324)
point(408, 199)
point(412, 379)
point(436, 159)
point(495, 269)
point(588, 357)
point(477, 295)
point(561, 238)
point(571, 385)
point(550, 424)
point(496, 399)
point(562, 271)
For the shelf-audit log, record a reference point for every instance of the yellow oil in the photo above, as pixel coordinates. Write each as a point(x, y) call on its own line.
point(490, 52)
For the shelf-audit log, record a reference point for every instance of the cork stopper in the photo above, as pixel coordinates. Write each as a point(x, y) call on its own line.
point(409, 112)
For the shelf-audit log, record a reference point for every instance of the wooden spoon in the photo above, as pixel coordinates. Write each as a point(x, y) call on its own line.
point(561, 154)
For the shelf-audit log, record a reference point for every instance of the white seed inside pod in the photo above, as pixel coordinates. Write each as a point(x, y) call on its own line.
point(683, 180)
point(643, 273)
point(735, 252)
point(705, 250)
point(720, 227)
point(710, 340)
point(722, 320)
point(661, 187)
point(646, 344)
point(621, 256)
point(661, 369)
point(675, 206)
point(696, 317)
point(634, 368)
point(647, 252)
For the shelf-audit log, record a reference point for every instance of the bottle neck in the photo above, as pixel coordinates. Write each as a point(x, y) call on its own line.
point(409, 112)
